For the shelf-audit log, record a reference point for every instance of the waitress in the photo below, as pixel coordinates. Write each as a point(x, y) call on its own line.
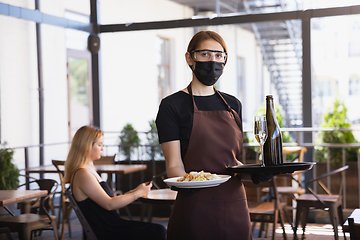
point(200, 128)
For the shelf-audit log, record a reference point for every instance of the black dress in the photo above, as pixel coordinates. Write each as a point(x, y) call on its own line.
point(109, 225)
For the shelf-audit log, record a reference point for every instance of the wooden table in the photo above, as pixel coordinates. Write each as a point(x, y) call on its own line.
point(109, 169)
point(356, 216)
point(157, 196)
point(8, 197)
point(102, 168)
point(160, 196)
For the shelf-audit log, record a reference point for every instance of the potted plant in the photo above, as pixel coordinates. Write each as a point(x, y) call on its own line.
point(128, 140)
point(9, 174)
point(153, 150)
point(336, 117)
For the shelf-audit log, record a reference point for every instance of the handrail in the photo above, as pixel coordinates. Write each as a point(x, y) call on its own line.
point(313, 129)
point(42, 145)
point(26, 152)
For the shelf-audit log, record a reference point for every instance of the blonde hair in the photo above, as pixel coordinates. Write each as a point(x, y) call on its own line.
point(80, 149)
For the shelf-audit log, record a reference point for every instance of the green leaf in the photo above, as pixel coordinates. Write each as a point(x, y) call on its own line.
point(128, 139)
point(9, 173)
point(336, 117)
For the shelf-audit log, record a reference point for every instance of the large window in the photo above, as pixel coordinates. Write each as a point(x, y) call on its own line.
point(78, 76)
point(325, 87)
point(79, 90)
point(335, 47)
point(240, 75)
point(354, 36)
point(354, 85)
point(163, 67)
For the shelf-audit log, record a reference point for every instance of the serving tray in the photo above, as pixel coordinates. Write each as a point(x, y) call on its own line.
point(278, 169)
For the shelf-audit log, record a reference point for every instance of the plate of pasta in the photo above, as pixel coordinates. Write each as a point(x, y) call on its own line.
point(197, 180)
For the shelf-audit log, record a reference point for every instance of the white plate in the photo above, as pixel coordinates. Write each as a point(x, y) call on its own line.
point(197, 184)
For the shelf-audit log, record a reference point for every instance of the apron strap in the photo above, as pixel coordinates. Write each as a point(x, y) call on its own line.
point(192, 97)
point(227, 105)
point(236, 116)
point(229, 109)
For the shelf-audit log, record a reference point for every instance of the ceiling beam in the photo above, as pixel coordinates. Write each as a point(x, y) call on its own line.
point(39, 17)
point(237, 18)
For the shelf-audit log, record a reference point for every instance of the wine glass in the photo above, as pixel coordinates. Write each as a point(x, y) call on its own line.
point(261, 133)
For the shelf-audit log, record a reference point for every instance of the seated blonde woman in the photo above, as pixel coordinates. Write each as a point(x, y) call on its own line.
point(96, 199)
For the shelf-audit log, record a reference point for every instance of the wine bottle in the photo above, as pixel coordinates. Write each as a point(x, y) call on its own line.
point(273, 152)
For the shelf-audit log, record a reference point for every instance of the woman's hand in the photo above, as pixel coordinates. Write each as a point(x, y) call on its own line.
point(87, 186)
point(142, 190)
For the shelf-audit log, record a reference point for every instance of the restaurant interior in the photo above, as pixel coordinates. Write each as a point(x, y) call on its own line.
point(65, 64)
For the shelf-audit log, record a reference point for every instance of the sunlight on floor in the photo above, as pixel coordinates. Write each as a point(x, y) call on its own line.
point(314, 229)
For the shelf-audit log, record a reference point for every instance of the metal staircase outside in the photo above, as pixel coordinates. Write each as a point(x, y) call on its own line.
point(280, 43)
point(281, 46)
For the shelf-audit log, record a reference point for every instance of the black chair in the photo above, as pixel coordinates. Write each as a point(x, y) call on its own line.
point(326, 201)
point(7, 232)
point(84, 223)
point(24, 224)
point(270, 211)
point(32, 205)
point(64, 206)
point(294, 189)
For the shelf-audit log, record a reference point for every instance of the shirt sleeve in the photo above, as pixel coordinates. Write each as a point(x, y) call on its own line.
point(167, 122)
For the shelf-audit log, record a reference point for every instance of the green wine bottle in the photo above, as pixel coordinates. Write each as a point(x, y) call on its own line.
point(273, 152)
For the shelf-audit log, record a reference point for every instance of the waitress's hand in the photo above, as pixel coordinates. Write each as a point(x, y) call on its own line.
point(143, 189)
point(258, 178)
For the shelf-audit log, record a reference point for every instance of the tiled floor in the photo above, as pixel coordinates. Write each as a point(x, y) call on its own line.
point(313, 232)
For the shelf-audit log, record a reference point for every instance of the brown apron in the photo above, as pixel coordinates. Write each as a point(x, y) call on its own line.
point(217, 212)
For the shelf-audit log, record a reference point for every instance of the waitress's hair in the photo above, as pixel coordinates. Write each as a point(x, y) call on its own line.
point(80, 149)
point(205, 35)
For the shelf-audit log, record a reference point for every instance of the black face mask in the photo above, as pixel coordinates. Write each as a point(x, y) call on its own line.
point(208, 72)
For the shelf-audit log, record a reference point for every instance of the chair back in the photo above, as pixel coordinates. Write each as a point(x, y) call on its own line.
point(58, 163)
point(271, 184)
point(354, 229)
point(269, 209)
point(105, 160)
point(318, 180)
point(41, 184)
point(299, 151)
point(48, 185)
point(65, 206)
point(7, 232)
point(44, 207)
point(90, 235)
